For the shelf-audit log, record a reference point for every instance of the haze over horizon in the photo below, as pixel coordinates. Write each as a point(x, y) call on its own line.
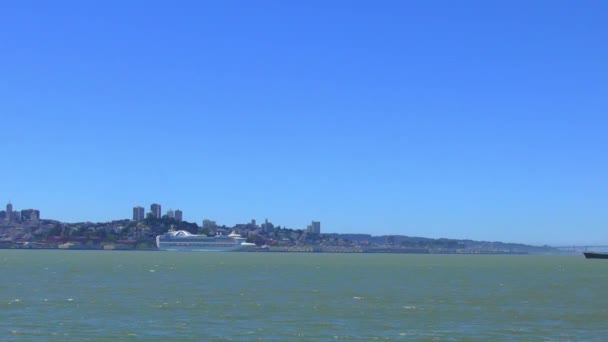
point(474, 120)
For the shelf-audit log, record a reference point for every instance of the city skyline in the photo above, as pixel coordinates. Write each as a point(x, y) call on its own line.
point(139, 214)
point(466, 120)
point(12, 215)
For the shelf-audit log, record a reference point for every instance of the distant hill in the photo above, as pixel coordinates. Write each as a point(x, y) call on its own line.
point(127, 234)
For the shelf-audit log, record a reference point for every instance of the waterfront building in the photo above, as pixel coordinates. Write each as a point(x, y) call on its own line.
point(178, 215)
point(155, 209)
point(2, 215)
point(138, 213)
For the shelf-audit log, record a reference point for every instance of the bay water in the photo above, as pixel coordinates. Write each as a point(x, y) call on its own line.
point(197, 296)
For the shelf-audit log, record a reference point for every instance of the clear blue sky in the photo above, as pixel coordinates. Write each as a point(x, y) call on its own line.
point(483, 120)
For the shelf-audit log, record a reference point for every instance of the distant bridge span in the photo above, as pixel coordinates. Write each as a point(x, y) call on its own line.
point(581, 247)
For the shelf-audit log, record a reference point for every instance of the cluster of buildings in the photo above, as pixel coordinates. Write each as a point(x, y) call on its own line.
point(15, 216)
point(156, 212)
point(253, 225)
point(314, 227)
point(266, 226)
point(32, 215)
point(139, 214)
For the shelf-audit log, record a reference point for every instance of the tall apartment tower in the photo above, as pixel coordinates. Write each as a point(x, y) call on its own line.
point(314, 227)
point(178, 215)
point(156, 211)
point(171, 213)
point(138, 213)
point(9, 211)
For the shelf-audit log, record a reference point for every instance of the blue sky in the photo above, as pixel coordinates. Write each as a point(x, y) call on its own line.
point(482, 120)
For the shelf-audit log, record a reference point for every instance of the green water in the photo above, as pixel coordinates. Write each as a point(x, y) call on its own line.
point(97, 295)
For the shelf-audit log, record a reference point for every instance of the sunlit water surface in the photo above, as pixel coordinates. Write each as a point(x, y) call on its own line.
point(97, 295)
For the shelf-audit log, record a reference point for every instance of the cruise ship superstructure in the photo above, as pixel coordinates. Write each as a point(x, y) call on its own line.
point(182, 240)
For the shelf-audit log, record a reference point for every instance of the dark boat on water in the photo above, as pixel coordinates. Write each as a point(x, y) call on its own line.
point(595, 255)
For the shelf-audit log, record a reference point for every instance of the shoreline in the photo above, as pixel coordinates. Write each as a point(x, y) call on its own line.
point(286, 251)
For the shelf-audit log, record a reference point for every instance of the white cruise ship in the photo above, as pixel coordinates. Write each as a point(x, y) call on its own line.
point(182, 240)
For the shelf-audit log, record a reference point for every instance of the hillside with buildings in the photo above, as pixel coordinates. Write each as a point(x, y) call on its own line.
point(26, 229)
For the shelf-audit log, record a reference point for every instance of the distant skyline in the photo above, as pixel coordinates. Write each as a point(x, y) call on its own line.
point(469, 119)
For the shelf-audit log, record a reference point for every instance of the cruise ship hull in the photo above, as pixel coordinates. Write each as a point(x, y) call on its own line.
point(186, 247)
